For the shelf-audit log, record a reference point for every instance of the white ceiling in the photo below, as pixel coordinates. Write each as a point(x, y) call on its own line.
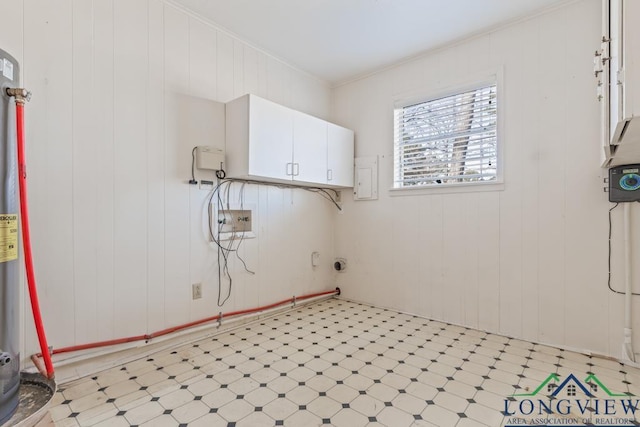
point(337, 40)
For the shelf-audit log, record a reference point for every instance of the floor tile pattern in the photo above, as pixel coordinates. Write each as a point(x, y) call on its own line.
point(335, 362)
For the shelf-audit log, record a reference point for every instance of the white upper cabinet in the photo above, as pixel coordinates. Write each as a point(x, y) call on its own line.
point(623, 34)
point(271, 138)
point(269, 142)
point(309, 148)
point(340, 156)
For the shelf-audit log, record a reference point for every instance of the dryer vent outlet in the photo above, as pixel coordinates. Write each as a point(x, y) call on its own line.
point(340, 264)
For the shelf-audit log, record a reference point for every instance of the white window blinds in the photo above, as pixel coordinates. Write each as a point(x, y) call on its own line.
point(447, 140)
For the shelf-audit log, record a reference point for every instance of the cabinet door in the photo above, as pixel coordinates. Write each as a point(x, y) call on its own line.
point(270, 139)
point(339, 156)
point(309, 148)
point(624, 94)
point(630, 58)
point(615, 63)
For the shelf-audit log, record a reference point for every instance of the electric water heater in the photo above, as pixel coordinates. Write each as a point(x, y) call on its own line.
point(9, 269)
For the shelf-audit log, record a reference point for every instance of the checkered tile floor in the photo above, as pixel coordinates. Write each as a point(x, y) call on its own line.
point(335, 363)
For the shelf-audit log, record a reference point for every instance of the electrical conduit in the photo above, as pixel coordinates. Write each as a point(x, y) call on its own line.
point(22, 95)
point(627, 346)
point(172, 329)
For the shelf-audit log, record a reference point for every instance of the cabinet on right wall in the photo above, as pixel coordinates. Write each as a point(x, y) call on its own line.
point(340, 156)
point(269, 142)
point(620, 67)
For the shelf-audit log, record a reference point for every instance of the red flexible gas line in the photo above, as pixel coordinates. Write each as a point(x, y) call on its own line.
point(185, 326)
point(26, 241)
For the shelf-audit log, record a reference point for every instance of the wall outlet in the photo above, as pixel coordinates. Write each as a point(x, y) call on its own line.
point(196, 291)
point(315, 259)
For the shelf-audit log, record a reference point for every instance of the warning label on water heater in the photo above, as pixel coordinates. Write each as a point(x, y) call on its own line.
point(7, 68)
point(8, 237)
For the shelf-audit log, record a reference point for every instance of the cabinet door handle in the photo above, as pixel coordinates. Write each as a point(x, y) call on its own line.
point(289, 168)
point(296, 169)
point(329, 174)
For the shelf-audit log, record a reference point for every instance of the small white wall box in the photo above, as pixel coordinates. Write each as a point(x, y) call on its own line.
point(211, 158)
point(235, 222)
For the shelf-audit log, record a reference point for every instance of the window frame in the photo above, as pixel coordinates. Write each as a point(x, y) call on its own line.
point(415, 97)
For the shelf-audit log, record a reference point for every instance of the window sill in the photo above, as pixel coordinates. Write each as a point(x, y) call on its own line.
point(448, 189)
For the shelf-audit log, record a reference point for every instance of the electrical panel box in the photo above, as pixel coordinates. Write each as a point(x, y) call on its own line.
point(366, 178)
point(624, 183)
point(211, 158)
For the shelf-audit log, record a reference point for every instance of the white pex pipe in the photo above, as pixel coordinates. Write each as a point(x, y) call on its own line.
point(627, 345)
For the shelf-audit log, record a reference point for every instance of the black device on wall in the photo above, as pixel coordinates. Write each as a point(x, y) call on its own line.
point(624, 183)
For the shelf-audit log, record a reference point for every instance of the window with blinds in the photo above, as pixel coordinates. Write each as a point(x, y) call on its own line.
point(447, 140)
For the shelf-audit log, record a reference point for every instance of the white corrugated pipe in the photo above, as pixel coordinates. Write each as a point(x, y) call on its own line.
point(627, 345)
